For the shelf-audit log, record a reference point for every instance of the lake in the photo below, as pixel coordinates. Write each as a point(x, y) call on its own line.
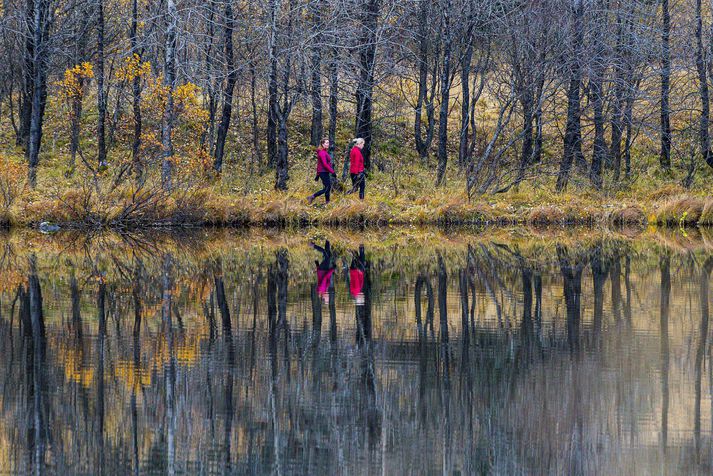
point(329, 352)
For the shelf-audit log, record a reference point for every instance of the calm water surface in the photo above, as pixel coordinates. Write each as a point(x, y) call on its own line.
point(249, 356)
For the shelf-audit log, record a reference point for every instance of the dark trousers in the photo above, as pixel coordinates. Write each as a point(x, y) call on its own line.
point(359, 182)
point(326, 186)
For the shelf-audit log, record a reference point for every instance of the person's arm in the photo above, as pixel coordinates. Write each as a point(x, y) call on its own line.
point(323, 156)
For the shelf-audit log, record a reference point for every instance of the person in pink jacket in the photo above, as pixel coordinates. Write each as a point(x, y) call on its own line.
point(325, 172)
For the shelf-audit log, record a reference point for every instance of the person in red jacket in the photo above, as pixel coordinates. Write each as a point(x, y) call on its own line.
point(325, 172)
point(356, 168)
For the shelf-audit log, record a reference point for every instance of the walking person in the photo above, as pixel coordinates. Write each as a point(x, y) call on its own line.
point(356, 168)
point(325, 172)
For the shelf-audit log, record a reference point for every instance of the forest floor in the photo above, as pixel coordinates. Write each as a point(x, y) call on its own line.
point(243, 196)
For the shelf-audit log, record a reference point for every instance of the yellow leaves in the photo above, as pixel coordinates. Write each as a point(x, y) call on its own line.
point(12, 181)
point(186, 93)
point(134, 377)
point(133, 67)
point(72, 85)
point(195, 164)
point(188, 106)
point(75, 366)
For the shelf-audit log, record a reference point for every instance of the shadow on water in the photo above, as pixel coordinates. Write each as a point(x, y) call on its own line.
point(479, 357)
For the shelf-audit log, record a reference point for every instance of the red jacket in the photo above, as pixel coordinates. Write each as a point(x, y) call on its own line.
point(356, 282)
point(356, 161)
point(324, 162)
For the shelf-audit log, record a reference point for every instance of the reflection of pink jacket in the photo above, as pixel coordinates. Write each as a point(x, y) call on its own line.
point(356, 282)
point(324, 162)
point(323, 279)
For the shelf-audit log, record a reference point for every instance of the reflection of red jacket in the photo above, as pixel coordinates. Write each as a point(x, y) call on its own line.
point(324, 277)
point(356, 282)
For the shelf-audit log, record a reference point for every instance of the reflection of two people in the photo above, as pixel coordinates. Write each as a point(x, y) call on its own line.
point(325, 273)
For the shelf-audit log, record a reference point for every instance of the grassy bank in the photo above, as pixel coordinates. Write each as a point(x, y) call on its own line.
point(243, 197)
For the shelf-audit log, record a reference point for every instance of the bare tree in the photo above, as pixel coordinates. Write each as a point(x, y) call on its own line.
point(665, 156)
point(368, 24)
point(446, 79)
point(573, 134)
point(170, 82)
point(101, 99)
point(229, 86)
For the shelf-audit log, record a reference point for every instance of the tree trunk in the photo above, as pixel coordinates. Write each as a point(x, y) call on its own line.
point(628, 113)
point(573, 135)
point(620, 82)
point(212, 102)
point(701, 68)
point(272, 87)
point(526, 100)
point(101, 100)
point(599, 153)
point(537, 153)
point(28, 78)
point(170, 83)
point(463, 146)
point(39, 87)
point(423, 144)
point(136, 94)
point(281, 165)
point(76, 122)
point(665, 156)
point(255, 127)
point(445, 95)
point(282, 111)
point(333, 98)
point(229, 88)
point(365, 86)
point(316, 63)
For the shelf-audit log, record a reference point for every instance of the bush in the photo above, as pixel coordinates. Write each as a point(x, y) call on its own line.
point(628, 216)
point(546, 215)
point(13, 180)
point(682, 211)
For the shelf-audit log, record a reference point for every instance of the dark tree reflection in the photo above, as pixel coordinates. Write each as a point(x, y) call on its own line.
point(665, 268)
point(571, 267)
point(216, 361)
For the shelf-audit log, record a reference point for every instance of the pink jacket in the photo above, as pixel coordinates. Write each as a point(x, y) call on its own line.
point(324, 279)
point(324, 162)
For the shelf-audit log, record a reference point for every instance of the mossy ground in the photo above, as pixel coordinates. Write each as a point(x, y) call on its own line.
point(401, 191)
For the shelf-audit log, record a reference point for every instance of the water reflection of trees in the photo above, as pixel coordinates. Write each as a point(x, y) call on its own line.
point(179, 367)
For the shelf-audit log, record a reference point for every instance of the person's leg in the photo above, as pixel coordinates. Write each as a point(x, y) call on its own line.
point(327, 187)
point(355, 183)
point(362, 185)
point(324, 177)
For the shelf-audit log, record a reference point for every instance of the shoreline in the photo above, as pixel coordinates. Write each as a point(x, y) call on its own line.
point(349, 216)
point(132, 208)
